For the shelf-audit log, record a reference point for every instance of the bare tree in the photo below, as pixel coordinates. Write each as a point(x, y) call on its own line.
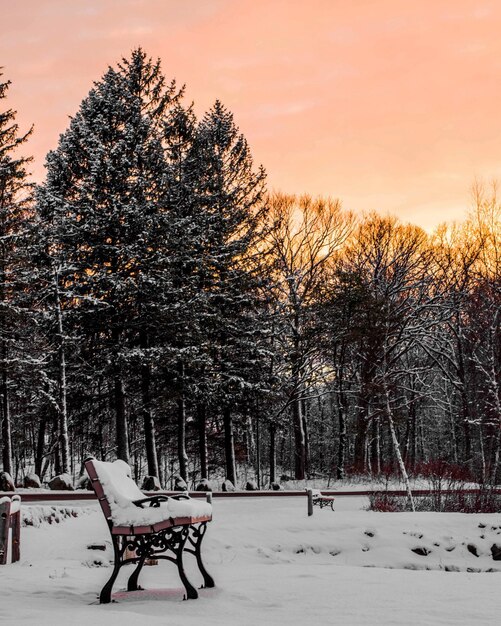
point(306, 234)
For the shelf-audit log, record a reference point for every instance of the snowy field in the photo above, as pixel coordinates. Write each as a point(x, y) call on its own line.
point(272, 565)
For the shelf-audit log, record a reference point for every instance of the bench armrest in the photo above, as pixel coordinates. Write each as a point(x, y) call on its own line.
point(181, 496)
point(153, 501)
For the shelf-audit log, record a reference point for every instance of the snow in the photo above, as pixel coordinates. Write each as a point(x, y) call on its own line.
point(14, 503)
point(272, 565)
point(121, 491)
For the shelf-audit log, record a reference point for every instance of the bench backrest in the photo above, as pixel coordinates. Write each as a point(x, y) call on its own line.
point(112, 484)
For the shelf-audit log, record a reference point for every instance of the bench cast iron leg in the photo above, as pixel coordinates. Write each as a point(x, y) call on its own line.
point(191, 592)
point(105, 596)
point(199, 535)
point(132, 584)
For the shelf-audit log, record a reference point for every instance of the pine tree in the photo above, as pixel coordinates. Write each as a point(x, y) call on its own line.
point(181, 258)
point(101, 208)
point(229, 195)
point(15, 202)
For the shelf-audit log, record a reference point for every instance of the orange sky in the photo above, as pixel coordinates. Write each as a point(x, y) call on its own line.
point(391, 105)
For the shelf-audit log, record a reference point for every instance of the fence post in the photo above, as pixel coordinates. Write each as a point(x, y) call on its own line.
point(16, 536)
point(208, 497)
point(310, 502)
point(4, 529)
point(15, 525)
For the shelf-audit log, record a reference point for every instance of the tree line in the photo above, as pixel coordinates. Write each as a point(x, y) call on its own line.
point(158, 305)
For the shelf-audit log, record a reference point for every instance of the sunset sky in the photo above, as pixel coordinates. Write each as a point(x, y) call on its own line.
point(389, 105)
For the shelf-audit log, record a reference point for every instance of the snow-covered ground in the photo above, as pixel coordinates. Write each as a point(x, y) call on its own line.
point(272, 565)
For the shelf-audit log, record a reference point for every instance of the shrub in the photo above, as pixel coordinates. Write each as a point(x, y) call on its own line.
point(482, 500)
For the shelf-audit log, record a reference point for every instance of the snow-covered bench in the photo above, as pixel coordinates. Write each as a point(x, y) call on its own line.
point(147, 527)
point(10, 524)
point(319, 499)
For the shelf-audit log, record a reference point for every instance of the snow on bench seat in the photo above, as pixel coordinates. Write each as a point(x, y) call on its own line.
point(121, 492)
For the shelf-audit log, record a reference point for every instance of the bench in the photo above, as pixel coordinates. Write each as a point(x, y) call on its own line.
point(10, 524)
point(320, 500)
point(147, 528)
point(317, 498)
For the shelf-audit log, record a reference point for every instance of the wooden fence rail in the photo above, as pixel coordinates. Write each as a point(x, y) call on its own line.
point(81, 495)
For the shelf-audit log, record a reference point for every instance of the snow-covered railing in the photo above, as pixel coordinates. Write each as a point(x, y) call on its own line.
point(10, 526)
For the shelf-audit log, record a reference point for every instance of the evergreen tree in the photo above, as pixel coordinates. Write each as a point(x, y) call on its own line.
point(15, 204)
point(180, 336)
point(101, 209)
point(229, 195)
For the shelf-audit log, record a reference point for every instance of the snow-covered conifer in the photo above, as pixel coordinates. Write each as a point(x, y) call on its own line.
point(15, 203)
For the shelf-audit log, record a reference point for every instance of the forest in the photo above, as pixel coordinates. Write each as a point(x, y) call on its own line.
point(159, 304)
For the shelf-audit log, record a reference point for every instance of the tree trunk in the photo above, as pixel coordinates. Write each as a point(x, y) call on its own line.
point(495, 462)
point(229, 446)
point(304, 417)
point(342, 410)
point(299, 441)
point(258, 452)
point(401, 464)
point(465, 408)
point(62, 409)
point(483, 465)
point(465, 418)
point(413, 448)
point(121, 425)
point(273, 453)
point(202, 438)
point(6, 425)
point(455, 451)
point(121, 420)
point(297, 413)
point(496, 398)
point(362, 425)
point(251, 439)
point(6, 429)
point(58, 466)
point(364, 398)
point(149, 426)
point(181, 425)
point(341, 452)
point(39, 453)
point(376, 447)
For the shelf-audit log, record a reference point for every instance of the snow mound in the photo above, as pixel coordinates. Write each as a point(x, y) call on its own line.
point(394, 541)
point(40, 515)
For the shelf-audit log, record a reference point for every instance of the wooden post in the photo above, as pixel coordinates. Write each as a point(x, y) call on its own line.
point(15, 524)
point(310, 502)
point(208, 497)
point(4, 529)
